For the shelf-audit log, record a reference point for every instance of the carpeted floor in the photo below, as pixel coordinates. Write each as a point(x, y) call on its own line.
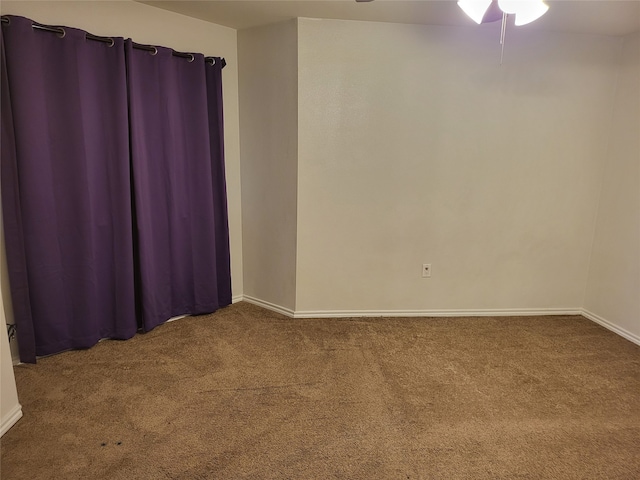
point(249, 394)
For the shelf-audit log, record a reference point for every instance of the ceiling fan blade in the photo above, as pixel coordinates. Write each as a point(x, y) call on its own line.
point(493, 13)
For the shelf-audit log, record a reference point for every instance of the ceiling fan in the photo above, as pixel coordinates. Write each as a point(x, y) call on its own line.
point(486, 11)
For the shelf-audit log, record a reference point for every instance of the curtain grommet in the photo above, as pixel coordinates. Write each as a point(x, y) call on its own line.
point(191, 58)
point(211, 61)
point(155, 51)
point(63, 34)
point(112, 42)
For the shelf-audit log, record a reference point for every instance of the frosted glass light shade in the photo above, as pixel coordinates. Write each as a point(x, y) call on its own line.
point(475, 8)
point(526, 11)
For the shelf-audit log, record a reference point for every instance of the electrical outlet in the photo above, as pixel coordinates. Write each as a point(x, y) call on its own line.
point(426, 269)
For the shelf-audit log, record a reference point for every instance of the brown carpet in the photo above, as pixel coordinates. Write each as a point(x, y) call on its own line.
point(249, 394)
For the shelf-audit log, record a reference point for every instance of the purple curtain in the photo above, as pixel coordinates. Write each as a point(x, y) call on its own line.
point(175, 108)
point(213, 68)
point(66, 189)
point(84, 124)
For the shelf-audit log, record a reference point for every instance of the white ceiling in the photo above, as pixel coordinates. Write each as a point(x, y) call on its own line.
point(602, 17)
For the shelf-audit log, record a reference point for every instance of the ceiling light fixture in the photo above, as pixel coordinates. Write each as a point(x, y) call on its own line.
point(526, 11)
point(484, 11)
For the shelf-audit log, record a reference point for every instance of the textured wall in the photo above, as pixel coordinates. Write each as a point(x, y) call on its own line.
point(613, 291)
point(10, 410)
point(269, 151)
point(416, 146)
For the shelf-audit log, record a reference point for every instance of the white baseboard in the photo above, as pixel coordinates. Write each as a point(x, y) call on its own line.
point(510, 312)
point(236, 298)
point(632, 337)
point(269, 306)
point(11, 418)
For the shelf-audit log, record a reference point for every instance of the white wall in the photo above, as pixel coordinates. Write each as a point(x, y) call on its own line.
point(5, 292)
point(150, 25)
point(613, 290)
point(269, 150)
point(416, 146)
point(10, 409)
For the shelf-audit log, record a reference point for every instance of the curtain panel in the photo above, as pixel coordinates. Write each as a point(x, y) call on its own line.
point(68, 233)
point(113, 195)
point(177, 183)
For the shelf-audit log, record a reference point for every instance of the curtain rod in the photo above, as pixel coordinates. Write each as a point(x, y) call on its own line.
point(149, 48)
